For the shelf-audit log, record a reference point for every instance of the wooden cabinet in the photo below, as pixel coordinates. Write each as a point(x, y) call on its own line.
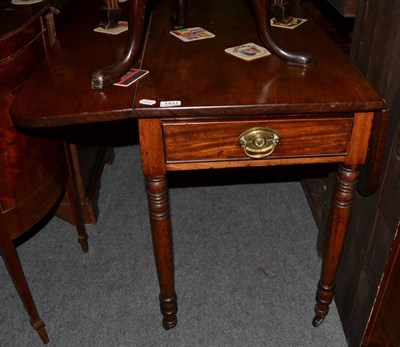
point(368, 278)
point(375, 50)
point(383, 326)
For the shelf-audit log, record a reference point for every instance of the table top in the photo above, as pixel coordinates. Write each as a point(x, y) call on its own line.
point(206, 80)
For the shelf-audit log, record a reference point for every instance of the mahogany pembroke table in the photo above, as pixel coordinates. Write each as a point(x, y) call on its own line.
point(232, 113)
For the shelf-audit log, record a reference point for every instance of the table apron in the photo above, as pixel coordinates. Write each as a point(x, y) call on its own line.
point(194, 144)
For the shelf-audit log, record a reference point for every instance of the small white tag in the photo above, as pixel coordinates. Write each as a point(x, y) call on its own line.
point(171, 103)
point(147, 102)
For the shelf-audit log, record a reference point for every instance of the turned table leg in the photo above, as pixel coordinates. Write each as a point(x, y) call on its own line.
point(153, 164)
point(157, 195)
point(342, 201)
point(112, 73)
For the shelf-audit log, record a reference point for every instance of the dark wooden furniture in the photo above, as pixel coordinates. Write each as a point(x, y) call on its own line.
point(34, 173)
point(136, 18)
point(88, 157)
point(321, 114)
point(88, 161)
point(367, 283)
point(367, 297)
point(331, 21)
point(382, 328)
point(209, 124)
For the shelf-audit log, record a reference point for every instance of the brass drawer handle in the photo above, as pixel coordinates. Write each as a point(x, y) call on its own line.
point(258, 142)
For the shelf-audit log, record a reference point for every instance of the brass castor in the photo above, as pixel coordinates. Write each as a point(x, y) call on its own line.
point(169, 322)
point(317, 321)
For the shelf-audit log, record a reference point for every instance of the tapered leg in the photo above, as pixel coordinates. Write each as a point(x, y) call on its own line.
point(74, 201)
point(136, 19)
point(341, 208)
point(16, 272)
point(157, 194)
point(262, 11)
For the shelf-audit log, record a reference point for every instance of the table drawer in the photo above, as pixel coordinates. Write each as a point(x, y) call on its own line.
point(219, 140)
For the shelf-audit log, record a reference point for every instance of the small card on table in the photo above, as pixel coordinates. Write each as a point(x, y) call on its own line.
point(120, 28)
point(248, 51)
point(131, 77)
point(192, 34)
point(294, 23)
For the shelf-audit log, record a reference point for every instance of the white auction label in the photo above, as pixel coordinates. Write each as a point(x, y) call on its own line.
point(171, 103)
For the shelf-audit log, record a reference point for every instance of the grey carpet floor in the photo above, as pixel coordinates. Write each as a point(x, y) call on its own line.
point(246, 270)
